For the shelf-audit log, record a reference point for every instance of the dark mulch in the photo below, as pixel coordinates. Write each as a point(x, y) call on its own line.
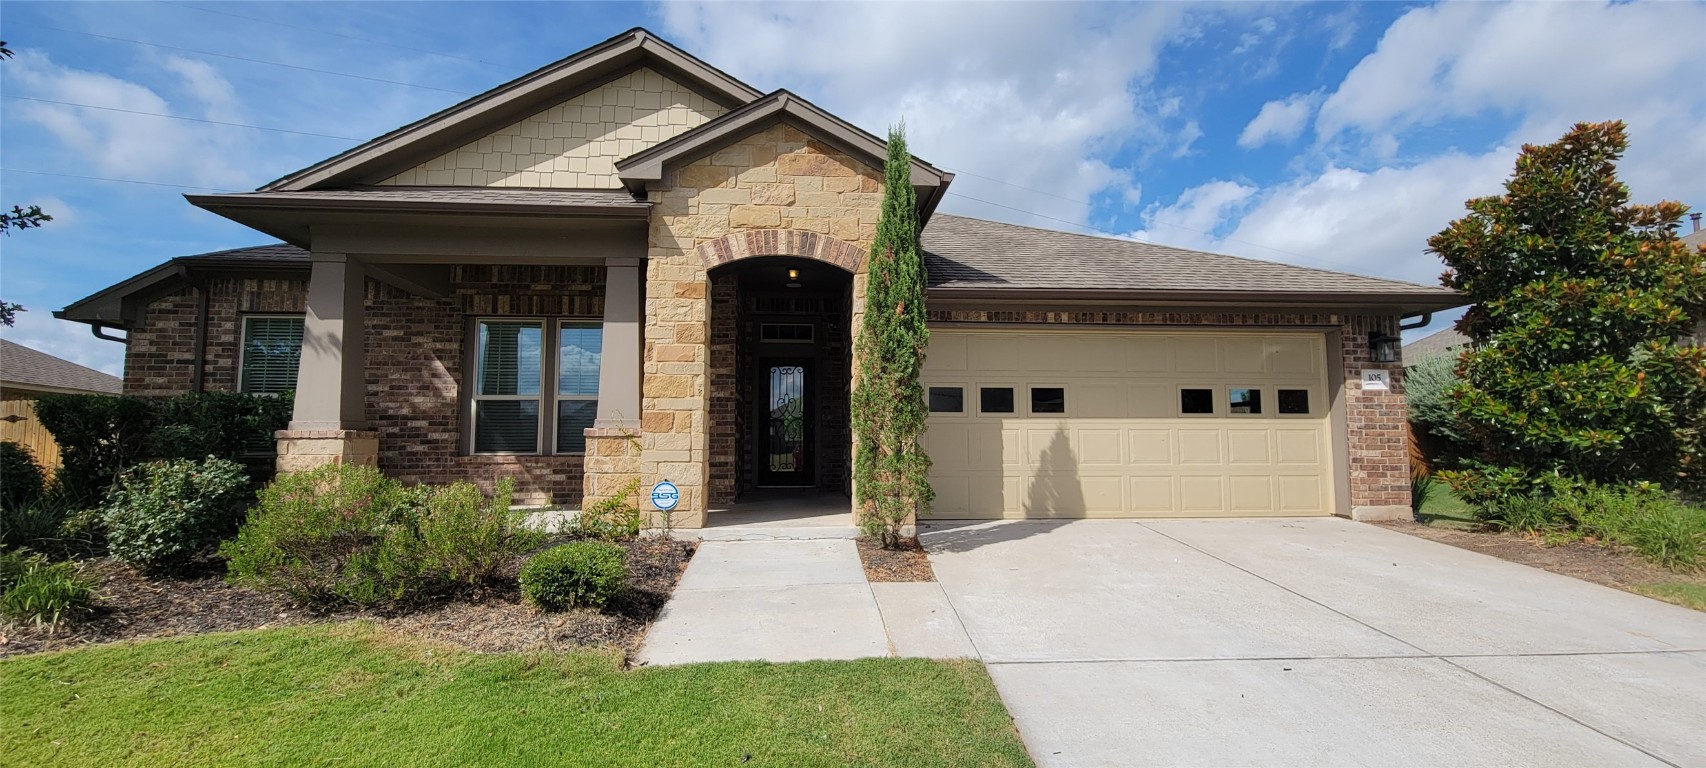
point(908, 563)
point(133, 607)
point(1615, 567)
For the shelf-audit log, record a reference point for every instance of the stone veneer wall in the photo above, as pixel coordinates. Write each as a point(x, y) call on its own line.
point(160, 358)
point(1379, 470)
point(777, 179)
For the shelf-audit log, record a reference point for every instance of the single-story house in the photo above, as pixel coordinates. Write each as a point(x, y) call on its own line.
point(630, 264)
point(25, 375)
point(1446, 341)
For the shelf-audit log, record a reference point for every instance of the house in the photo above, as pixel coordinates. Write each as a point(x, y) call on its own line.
point(1446, 341)
point(628, 264)
point(27, 374)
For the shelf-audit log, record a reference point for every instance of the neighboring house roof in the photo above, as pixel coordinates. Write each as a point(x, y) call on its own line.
point(967, 256)
point(1695, 239)
point(448, 128)
point(1442, 342)
point(22, 368)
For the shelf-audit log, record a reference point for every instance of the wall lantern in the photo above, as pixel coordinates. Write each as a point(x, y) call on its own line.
point(793, 278)
point(1383, 348)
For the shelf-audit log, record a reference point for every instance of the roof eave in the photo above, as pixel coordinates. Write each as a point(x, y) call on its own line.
point(1418, 301)
point(217, 203)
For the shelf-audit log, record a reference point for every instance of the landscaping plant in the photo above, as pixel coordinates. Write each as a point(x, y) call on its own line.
point(36, 591)
point(467, 538)
point(616, 517)
point(1579, 301)
point(574, 575)
point(21, 478)
point(163, 513)
point(890, 469)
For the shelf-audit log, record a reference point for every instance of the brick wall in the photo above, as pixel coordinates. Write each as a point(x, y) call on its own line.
point(1379, 468)
point(160, 358)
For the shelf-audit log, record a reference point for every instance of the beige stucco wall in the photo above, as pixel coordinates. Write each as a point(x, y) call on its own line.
point(576, 144)
point(777, 179)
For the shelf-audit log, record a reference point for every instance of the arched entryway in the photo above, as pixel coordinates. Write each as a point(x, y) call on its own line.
point(780, 372)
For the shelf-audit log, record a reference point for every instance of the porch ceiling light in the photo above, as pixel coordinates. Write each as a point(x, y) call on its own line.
point(1383, 348)
point(793, 278)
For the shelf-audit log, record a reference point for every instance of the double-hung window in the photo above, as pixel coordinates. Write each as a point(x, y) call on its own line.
point(272, 345)
point(535, 385)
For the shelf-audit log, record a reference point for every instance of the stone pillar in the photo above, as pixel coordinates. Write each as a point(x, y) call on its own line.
point(613, 441)
point(329, 424)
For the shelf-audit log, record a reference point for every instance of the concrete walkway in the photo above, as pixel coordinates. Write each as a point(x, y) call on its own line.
point(794, 600)
point(1315, 642)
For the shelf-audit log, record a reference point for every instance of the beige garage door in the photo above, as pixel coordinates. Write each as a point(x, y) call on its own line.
point(1127, 424)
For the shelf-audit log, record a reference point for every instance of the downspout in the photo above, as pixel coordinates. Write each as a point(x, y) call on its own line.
point(99, 329)
point(1426, 317)
point(199, 376)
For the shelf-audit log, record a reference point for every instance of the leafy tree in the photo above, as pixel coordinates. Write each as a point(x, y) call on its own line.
point(890, 469)
point(1427, 392)
point(1580, 299)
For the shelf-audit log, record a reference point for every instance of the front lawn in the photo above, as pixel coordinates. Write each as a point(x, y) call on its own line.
point(354, 694)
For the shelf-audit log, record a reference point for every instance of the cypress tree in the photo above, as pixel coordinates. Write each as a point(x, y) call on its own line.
point(890, 468)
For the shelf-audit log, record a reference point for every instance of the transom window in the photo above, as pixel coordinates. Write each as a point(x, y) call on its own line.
point(271, 348)
point(535, 385)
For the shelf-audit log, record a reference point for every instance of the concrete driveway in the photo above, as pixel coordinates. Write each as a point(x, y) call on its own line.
point(1315, 642)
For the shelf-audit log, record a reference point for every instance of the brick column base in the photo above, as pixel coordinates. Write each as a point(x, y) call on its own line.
point(1383, 514)
point(304, 449)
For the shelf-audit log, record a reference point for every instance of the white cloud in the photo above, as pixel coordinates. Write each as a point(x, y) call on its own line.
point(1037, 95)
point(1190, 221)
point(133, 146)
point(1281, 119)
point(38, 329)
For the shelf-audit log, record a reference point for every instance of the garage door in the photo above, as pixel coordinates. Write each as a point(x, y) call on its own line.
point(1127, 424)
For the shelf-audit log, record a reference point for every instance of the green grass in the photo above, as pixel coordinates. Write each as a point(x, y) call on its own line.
point(351, 694)
point(1687, 595)
point(1444, 509)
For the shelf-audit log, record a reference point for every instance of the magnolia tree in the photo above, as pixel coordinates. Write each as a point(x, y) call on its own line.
point(890, 469)
point(1577, 372)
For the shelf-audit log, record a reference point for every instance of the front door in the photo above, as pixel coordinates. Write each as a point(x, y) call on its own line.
point(786, 426)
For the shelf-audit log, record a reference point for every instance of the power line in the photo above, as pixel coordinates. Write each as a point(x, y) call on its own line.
point(1018, 186)
point(181, 117)
point(252, 61)
point(333, 34)
point(121, 181)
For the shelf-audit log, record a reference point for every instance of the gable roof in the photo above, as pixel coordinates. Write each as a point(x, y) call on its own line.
point(1695, 239)
point(973, 257)
point(648, 165)
point(1442, 342)
point(28, 369)
point(451, 127)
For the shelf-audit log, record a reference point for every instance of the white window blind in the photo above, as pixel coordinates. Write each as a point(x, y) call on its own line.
point(507, 387)
point(271, 348)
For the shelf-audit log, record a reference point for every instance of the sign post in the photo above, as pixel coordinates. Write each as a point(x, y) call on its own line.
point(665, 496)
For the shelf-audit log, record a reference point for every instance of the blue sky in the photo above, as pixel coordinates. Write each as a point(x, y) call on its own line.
point(1333, 135)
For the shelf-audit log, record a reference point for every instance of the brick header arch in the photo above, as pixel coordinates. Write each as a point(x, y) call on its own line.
point(752, 243)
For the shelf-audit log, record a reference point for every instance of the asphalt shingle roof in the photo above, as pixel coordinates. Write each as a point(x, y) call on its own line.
point(963, 252)
point(580, 198)
point(25, 368)
point(1440, 342)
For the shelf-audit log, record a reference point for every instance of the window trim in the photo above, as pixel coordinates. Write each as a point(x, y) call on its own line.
point(550, 327)
point(243, 342)
point(1030, 400)
point(963, 412)
point(1213, 403)
point(1001, 385)
point(1311, 392)
point(1262, 401)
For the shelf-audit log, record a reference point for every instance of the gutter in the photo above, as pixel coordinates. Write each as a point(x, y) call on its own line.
point(1428, 301)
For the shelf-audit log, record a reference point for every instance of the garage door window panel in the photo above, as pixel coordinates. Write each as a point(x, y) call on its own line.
point(1196, 401)
point(947, 399)
point(1292, 402)
point(1244, 401)
point(995, 400)
point(1048, 400)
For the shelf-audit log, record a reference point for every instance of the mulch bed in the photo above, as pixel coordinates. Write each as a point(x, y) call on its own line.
point(1615, 567)
point(908, 563)
point(134, 607)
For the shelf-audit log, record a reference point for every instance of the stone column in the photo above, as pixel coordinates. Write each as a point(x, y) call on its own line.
point(613, 441)
point(329, 423)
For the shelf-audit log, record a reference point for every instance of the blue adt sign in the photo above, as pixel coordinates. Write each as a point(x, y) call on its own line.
point(665, 496)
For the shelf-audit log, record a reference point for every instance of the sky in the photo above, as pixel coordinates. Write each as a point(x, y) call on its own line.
point(1334, 135)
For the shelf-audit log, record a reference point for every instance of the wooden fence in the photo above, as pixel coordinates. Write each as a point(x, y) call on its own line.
point(18, 424)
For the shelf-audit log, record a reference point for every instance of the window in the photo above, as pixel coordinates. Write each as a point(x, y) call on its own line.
point(507, 378)
point(1293, 401)
point(1196, 401)
point(579, 347)
point(947, 400)
point(271, 348)
point(786, 332)
point(1048, 400)
point(1244, 400)
point(995, 399)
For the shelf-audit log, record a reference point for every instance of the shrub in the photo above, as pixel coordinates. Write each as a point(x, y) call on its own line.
point(1421, 484)
point(40, 525)
point(468, 539)
point(163, 513)
point(611, 518)
point(1662, 529)
point(579, 573)
point(343, 533)
point(224, 424)
point(35, 591)
point(1523, 513)
point(20, 476)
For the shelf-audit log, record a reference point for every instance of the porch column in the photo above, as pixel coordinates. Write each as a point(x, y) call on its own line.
point(329, 423)
point(613, 441)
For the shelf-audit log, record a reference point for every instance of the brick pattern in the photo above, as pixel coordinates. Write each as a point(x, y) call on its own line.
point(160, 358)
point(727, 407)
point(574, 145)
point(1379, 460)
point(775, 179)
point(780, 242)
